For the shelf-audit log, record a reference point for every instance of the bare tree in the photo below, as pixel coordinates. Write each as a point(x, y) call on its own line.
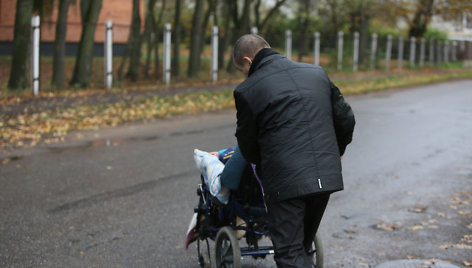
point(21, 37)
point(195, 43)
point(58, 79)
point(177, 35)
point(134, 43)
point(90, 9)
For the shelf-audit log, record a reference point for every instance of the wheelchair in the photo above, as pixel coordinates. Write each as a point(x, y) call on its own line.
point(243, 217)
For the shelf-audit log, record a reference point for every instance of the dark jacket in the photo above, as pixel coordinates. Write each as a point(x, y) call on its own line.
point(294, 124)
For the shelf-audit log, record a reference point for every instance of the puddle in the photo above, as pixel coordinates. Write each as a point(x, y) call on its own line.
point(9, 159)
point(100, 143)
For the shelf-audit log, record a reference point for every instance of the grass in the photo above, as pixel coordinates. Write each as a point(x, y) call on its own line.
point(30, 129)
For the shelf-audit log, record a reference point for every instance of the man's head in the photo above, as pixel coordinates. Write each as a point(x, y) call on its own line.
point(245, 49)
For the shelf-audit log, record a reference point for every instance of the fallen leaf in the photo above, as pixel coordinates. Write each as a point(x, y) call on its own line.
point(416, 227)
point(387, 227)
point(418, 209)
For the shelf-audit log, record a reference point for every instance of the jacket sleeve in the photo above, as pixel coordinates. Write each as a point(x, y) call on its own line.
point(246, 129)
point(343, 118)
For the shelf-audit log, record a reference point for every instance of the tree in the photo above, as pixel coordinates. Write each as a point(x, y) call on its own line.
point(149, 34)
point(21, 40)
point(194, 59)
point(134, 43)
point(89, 11)
point(421, 19)
point(261, 25)
point(58, 80)
point(177, 35)
point(303, 22)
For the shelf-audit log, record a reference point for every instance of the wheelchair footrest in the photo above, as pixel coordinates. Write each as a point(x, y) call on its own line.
point(261, 252)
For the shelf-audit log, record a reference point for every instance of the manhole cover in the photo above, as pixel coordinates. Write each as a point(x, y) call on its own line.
point(416, 264)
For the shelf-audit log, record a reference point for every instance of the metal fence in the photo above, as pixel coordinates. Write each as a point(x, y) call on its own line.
point(341, 52)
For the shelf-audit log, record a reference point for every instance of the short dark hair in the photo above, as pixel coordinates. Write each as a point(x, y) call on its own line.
point(247, 46)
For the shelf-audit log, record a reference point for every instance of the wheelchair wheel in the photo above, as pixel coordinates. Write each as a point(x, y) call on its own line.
point(227, 251)
point(203, 255)
point(317, 251)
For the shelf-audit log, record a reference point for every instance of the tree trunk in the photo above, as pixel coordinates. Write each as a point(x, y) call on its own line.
point(224, 33)
point(134, 44)
point(421, 19)
point(158, 33)
point(83, 63)
point(58, 80)
point(149, 29)
point(177, 26)
point(304, 22)
point(195, 38)
point(364, 34)
point(21, 40)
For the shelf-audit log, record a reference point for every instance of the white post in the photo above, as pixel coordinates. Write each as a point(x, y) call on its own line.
point(166, 58)
point(288, 44)
point(340, 50)
point(108, 55)
point(317, 48)
point(431, 52)
point(438, 51)
point(214, 54)
point(254, 30)
point(446, 54)
point(412, 51)
point(35, 24)
point(355, 57)
point(388, 53)
point(454, 50)
point(373, 51)
point(422, 49)
point(400, 52)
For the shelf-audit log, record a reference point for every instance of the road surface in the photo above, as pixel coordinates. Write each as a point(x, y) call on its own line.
point(123, 197)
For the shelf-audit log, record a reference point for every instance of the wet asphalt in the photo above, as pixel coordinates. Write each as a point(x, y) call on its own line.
point(123, 197)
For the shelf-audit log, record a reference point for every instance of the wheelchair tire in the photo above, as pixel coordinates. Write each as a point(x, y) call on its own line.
point(317, 249)
point(227, 251)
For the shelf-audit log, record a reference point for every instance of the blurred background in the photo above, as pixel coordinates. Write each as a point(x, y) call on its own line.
point(72, 36)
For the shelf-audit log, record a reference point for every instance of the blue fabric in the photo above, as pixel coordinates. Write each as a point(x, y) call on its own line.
point(233, 171)
point(225, 154)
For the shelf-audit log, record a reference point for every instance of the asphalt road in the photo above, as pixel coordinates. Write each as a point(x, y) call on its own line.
point(123, 197)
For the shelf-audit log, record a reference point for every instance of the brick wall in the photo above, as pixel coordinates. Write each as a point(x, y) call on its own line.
point(118, 11)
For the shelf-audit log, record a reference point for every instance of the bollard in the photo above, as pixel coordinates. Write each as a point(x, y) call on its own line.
point(431, 52)
point(438, 51)
point(454, 51)
point(412, 51)
point(446, 50)
point(422, 48)
point(400, 52)
point(166, 58)
point(288, 44)
point(108, 55)
point(214, 54)
point(317, 49)
point(373, 51)
point(340, 50)
point(388, 52)
point(36, 36)
point(355, 56)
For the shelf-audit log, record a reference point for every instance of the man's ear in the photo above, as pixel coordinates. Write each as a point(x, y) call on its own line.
point(248, 60)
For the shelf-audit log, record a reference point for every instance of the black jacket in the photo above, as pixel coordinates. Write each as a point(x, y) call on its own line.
point(294, 124)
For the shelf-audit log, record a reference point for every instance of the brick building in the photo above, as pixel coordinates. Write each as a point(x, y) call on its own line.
point(118, 11)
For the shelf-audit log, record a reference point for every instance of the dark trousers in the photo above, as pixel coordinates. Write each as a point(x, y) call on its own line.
point(293, 224)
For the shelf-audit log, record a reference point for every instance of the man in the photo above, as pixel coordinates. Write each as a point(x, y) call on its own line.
point(294, 124)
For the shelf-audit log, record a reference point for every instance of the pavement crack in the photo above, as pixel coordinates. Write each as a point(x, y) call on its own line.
point(106, 196)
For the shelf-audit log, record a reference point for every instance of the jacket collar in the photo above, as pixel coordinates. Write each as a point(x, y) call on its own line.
point(256, 62)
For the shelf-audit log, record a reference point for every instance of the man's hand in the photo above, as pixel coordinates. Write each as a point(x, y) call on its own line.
point(215, 154)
